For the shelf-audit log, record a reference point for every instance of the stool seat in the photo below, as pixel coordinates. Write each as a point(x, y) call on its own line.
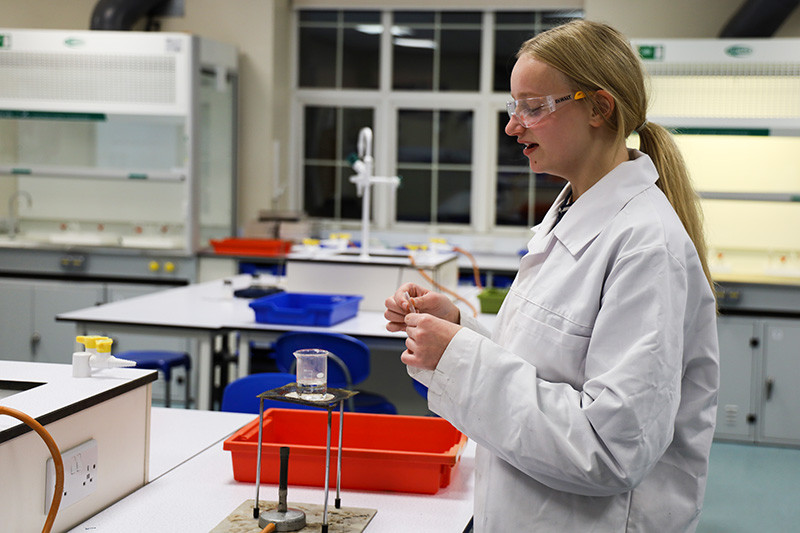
point(163, 361)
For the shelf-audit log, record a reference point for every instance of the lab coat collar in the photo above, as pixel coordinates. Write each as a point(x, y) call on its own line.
point(595, 208)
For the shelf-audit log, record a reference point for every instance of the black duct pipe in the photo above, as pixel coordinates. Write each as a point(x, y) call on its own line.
point(758, 18)
point(121, 14)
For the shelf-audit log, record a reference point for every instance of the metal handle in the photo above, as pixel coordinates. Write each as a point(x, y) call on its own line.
point(770, 387)
point(36, 338)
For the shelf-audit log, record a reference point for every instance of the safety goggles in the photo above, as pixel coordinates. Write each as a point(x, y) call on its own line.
point(531, 111)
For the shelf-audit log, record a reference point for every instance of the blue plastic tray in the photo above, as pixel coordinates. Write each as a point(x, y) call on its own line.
point(305, 309)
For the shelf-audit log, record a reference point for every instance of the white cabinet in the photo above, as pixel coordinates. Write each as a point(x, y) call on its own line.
point(16, 320)
point(29, 330)
point(759, 365)
point(738, 354)
point(780, 423)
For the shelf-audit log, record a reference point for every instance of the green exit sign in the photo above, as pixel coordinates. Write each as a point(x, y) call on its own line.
point(5, 40)
point(651, 52)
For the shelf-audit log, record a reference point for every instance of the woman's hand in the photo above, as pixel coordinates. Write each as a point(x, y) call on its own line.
point(428, 337)
point(423, 301)
point(430, 329)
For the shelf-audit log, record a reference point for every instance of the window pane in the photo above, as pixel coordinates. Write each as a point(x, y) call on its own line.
point(523, 197)
point(509, 151)
point(462, 17)
point(414, 17)
point(360, 61)
point(460, 60)
point(516, 18)
point(363, 17)
point(415, 136)
point(351, 202)
point(454, 196)
point(413, 60)
point(317, 57)
point(320, 139)
point(313, 15)
point(319, 198)
point(506, 45)
point(455, 137)
point(353, 119)
point(513, 199)
point(321, 125)
point(414, 195)
point(550, 19)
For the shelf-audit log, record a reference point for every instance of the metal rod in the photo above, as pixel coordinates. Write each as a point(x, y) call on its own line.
point(327, 471)
point(258, 456)
point(338, 500)
point(283, 480)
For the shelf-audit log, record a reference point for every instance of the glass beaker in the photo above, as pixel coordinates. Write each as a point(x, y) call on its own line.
point(312, 373)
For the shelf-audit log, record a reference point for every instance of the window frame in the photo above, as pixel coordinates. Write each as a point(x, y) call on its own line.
point(485, 104)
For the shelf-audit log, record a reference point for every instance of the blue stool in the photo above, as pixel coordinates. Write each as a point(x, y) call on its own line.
point(163, 361)
point(241, 395)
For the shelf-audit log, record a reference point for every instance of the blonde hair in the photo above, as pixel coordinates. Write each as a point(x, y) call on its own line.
point(596, 56)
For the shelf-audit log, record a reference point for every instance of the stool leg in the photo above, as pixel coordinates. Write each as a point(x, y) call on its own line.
point(188, 396)
point(169, 397)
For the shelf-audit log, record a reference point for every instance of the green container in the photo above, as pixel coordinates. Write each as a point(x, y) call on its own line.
point(491, 299)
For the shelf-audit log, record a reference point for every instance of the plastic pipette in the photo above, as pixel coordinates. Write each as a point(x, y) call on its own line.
point(410, 305)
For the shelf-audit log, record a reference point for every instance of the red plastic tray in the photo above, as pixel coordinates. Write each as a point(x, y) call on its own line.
point(381, 452)
point(262, 247)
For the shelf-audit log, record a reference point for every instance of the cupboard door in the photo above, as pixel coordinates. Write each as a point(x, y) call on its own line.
point(56, 340)
point(779, 392)
point(738, 352)
point(16, 320)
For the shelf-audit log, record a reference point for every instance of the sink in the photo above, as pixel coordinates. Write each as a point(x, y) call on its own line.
point(17, 241)
point(87, 239)
point(145, 241)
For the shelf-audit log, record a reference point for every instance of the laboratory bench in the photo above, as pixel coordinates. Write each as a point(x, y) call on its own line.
point(109, 412)
point(204, 312)
point(196, 490)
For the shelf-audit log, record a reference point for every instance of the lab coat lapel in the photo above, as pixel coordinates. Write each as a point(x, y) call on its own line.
point(600, 204)
point(541, 242)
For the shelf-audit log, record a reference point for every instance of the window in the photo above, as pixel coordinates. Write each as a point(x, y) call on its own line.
point(432, 85)
point(330, 140)
point(434, 158)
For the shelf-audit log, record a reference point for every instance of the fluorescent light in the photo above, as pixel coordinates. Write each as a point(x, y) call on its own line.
point(415, 43)
point(377, 29)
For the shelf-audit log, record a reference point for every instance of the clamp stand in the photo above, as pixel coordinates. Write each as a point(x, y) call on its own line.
point(288, 393)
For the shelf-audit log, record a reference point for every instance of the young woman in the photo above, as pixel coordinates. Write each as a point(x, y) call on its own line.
point(593, 401)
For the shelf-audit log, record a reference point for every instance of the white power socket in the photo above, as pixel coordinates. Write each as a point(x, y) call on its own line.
point(80, 474)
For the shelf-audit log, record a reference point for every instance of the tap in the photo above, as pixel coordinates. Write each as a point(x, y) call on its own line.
point(13, 213)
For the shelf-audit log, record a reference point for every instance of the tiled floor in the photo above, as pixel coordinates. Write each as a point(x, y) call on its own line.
point(752, 489)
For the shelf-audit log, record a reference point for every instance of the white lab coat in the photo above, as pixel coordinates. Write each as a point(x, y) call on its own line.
point(593, 402)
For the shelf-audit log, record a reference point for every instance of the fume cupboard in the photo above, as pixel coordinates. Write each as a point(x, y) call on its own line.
point(117, 164)
point(733, 106)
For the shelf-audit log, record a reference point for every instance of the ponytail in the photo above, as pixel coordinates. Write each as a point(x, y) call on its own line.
point(674, 182)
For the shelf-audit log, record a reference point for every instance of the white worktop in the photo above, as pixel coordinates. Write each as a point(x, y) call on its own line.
point(199, 493)
point(59, 394)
